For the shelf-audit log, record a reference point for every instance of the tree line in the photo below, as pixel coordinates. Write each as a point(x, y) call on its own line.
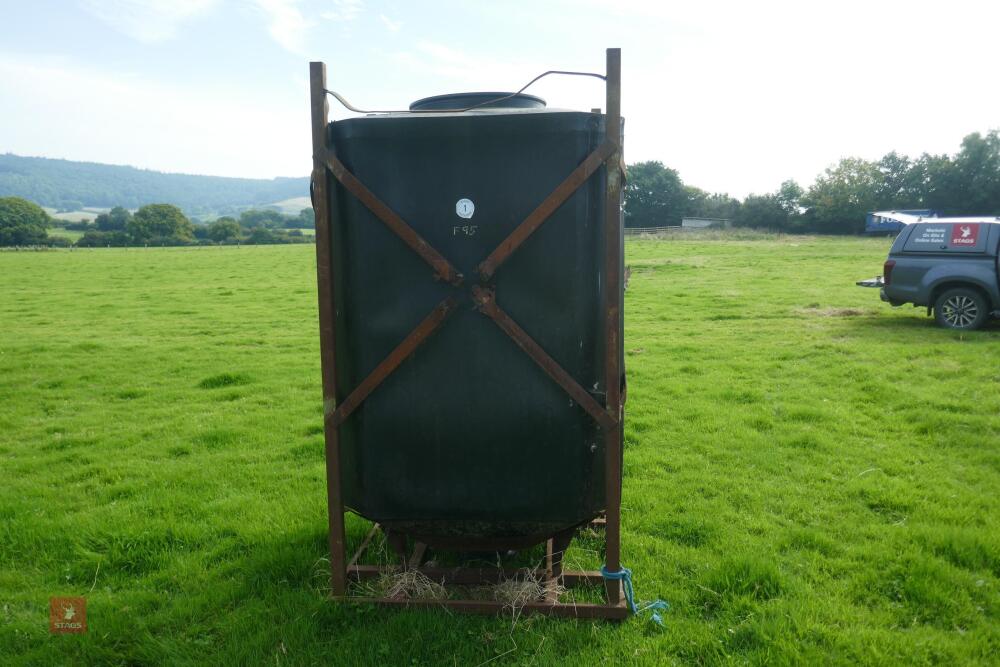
point(24, 223)
point(966, 183)
point(67, 185)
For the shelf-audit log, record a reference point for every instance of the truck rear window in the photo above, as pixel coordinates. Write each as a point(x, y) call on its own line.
point(947, 237)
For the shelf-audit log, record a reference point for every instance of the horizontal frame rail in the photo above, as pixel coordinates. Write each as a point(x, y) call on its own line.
point(467, 576)
point(493, 607)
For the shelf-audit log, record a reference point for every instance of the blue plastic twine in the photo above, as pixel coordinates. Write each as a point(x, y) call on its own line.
point(625, 576)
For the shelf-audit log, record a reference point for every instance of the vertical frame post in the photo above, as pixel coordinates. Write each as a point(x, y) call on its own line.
point(324, 283)
point(612, 324)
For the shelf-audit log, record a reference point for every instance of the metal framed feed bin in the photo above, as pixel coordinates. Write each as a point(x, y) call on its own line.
point(470, 275)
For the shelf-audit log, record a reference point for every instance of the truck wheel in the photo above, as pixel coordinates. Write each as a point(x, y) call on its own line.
point(961, 308)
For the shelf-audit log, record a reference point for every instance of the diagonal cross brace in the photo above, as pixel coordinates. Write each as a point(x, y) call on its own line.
point(542, 212)
point(488, 306)
point(399, 354)
point(443, 269)
point(486, 302)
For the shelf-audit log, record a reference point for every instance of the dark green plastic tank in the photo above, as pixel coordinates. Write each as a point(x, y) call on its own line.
point(469, 441)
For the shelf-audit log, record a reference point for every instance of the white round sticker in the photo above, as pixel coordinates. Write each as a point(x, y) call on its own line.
point(464, 208)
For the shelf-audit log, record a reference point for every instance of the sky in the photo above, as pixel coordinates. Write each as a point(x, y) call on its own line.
point(737, 96)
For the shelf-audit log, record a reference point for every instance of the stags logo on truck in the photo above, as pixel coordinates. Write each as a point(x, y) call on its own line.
point(964, 233)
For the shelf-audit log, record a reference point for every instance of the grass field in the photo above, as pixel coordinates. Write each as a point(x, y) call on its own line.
point(86, 215)
point(73, 235)
point(810, 476)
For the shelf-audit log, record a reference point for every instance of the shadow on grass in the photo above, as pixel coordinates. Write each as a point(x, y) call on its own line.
point(917, 322)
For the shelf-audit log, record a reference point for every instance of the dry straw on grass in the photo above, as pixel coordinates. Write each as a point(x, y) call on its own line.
point(410, 584)
point(515, 593)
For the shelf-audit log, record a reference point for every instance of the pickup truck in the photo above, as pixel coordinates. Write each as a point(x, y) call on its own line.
point(948, 265)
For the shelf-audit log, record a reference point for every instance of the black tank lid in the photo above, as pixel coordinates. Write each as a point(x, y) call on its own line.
point(466, 100)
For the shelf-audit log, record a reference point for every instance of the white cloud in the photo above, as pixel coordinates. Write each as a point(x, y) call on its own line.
point(129, 119)
point(286, 23)
point(737, 96)
point(147, 21)
point(433, 67)
point(390, 25)
point(344, 10)
point(463, 68)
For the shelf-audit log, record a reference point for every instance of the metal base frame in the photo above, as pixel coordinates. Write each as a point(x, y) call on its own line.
point(554, 579)
point(608, 416)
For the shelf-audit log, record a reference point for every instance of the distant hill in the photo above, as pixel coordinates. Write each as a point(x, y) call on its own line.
point(70, 186)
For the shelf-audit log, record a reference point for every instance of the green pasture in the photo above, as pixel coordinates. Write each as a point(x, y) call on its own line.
point(811, 477)
point(71, 234)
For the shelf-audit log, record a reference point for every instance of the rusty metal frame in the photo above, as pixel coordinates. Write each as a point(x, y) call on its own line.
point(552, 574)
point(608, 416)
